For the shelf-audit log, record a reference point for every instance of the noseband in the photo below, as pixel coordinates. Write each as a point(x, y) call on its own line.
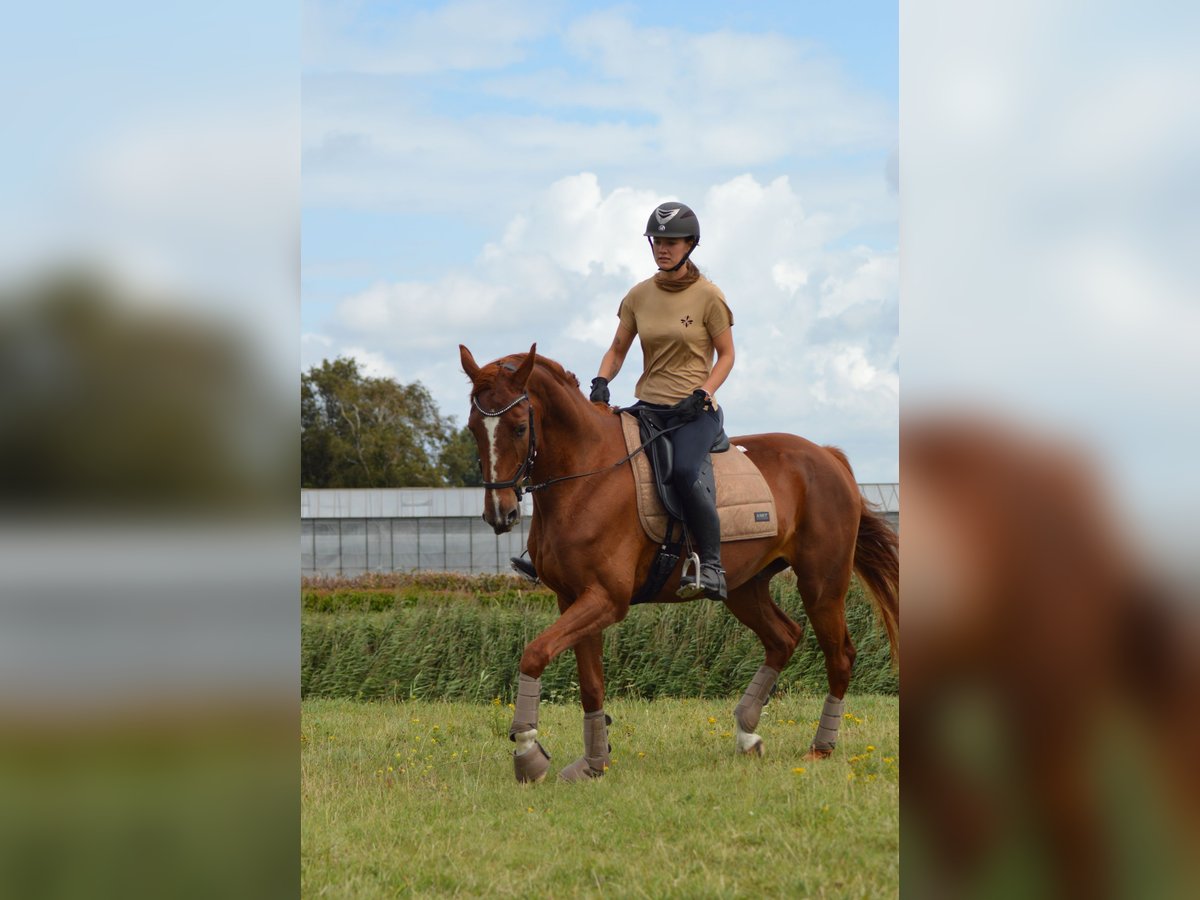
point(523, 471)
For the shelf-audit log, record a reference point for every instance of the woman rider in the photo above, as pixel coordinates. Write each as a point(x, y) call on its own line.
point(681, 318)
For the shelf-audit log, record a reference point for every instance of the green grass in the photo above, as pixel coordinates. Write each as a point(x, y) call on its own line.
point(418, 798)
point(442, 644)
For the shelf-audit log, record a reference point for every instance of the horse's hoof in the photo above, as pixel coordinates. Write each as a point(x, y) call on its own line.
point(579, 770)
point(531, 766)
point(814, 754)
point(750, 744)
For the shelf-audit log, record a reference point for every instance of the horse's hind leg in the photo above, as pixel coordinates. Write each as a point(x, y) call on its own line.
point(824, 597)
point(595, 760)
point(752, 605)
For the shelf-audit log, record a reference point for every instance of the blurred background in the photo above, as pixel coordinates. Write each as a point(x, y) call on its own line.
point(148, 418)
point(1048, 423)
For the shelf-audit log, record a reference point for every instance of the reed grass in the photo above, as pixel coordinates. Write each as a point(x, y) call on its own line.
point(459, 638)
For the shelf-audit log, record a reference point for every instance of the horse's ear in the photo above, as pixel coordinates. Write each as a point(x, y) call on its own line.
point(468, 362)
point(526, 368)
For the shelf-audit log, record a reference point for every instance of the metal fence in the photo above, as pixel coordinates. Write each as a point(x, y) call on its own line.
point(352, 532)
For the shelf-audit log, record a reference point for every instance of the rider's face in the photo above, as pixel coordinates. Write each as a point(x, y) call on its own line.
point(668, 251)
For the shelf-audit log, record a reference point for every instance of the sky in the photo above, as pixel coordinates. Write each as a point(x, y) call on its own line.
point(482, 172)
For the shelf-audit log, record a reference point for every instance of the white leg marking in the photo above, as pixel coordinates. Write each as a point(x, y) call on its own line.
point(525, 741)
point(746, 741)
point(489, 425)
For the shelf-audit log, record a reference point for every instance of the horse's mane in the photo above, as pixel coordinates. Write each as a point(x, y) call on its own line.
point(487, 377)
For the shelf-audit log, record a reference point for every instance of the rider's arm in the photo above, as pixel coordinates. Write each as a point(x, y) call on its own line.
point(723, 344)
point(614, 357)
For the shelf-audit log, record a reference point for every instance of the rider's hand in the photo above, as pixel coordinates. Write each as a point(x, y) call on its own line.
point(599, 389)
point(690, 407)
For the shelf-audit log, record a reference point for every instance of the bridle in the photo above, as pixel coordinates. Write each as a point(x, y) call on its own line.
point(523, 471)
point(530, 454)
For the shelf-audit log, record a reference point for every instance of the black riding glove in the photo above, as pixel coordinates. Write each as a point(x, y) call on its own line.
point(599, 389)
point(690, 407)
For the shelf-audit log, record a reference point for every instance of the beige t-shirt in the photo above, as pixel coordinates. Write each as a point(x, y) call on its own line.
point(676, 332)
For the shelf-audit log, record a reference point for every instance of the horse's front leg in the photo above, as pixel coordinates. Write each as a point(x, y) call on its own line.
point(589, 653)
point(587, 616)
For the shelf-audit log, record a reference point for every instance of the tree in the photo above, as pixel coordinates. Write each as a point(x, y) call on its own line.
point(460, 460)
point(357, 431)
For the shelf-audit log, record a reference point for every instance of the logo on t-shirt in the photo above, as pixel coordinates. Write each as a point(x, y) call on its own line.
point(687, 320)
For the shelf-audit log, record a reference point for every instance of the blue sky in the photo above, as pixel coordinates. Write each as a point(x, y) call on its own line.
point(481, 173)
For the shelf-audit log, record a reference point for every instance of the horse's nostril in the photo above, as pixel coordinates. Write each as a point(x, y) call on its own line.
point(513, 516)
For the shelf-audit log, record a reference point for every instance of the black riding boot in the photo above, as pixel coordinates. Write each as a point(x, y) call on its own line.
point(525, 568)
point(704, 525)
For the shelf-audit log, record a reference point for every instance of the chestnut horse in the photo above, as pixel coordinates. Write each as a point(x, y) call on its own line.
point(532, 423)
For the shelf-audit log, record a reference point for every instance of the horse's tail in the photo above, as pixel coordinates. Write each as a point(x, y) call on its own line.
point(877, 562)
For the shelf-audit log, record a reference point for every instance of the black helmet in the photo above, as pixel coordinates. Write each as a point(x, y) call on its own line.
point(673, 220)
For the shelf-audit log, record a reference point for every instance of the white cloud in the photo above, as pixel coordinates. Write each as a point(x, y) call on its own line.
point(788, 276)
point(875, 280)
point(461, 35)
point(372, 363)
point(751, 99)
point(577, 228)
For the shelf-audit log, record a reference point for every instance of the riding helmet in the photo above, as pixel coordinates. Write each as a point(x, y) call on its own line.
point(674, 220)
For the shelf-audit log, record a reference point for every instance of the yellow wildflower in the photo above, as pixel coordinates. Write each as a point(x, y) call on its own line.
point(799, 770)
point(712, 720)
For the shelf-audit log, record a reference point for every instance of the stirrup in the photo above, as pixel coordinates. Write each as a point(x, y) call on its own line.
point(689, 589)
point(712, 586)
point(524, 568)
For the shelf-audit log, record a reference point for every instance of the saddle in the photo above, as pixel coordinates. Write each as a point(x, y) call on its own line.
point(744, 501)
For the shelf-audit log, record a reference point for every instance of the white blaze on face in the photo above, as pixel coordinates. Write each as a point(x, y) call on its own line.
point(490, 424)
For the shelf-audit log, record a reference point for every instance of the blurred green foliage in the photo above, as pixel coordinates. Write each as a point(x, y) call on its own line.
point(115, 400)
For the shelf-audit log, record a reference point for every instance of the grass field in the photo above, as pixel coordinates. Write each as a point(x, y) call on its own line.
point(418, 798)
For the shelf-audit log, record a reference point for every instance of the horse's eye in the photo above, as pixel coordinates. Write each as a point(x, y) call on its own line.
point(521, 429)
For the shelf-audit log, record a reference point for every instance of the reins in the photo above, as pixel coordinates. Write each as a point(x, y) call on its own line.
point(620, 462)
point(531, 454)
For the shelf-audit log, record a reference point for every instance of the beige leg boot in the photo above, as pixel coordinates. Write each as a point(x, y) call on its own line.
point(749, 709)
point(531, 762)
point(827, 730)
point(596, 749)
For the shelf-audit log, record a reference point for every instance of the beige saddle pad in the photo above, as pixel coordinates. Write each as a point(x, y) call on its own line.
point(744, 501)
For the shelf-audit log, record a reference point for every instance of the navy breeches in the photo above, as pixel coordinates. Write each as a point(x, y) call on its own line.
point(690, 445)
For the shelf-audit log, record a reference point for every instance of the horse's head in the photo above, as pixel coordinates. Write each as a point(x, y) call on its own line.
point(501, 422)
